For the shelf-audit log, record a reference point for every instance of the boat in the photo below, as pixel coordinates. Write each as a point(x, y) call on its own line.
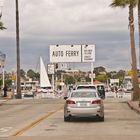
point(45, 87)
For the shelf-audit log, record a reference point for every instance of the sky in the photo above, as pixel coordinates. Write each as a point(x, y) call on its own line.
point(49, 22)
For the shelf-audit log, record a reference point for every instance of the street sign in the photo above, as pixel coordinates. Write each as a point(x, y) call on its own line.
point(65, 53)
point(72, 53)
point(92, 75)
point(50, 68)
point(62, 66)
point(13, 77)
point(88, 53)
point(131, 73)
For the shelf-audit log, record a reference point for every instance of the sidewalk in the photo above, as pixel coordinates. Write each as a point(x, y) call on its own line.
point(134, 105)
point(2, 100)
point(10, 101)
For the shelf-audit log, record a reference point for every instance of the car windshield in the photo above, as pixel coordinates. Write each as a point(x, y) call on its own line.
point(83, 94)
point(86, 87)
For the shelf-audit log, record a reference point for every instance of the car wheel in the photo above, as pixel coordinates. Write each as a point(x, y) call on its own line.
point(101, 119)
point(67, 119)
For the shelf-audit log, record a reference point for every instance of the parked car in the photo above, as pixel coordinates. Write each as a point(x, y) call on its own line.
point(83, 103)
point(101, 90)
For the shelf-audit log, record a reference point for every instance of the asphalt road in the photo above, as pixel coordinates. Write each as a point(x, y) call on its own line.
point(43, 119)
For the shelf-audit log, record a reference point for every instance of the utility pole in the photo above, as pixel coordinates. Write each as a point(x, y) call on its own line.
point(18, 52)
point(2, 63)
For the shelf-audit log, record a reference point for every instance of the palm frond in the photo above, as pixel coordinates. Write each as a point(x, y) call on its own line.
point(2, 26)
point(123, 3)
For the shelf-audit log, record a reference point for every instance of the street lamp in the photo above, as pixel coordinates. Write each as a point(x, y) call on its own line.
point(18, 52)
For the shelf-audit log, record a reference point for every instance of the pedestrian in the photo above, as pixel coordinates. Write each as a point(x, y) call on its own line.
point(5, 91)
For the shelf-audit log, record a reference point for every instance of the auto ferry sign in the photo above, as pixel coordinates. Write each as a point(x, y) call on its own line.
point(65, 53)
point(72, 53)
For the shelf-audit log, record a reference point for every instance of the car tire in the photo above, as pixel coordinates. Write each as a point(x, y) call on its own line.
point(67, 119)
point(101, 119)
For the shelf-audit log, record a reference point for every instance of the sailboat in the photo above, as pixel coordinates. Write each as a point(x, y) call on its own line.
point(45, 86)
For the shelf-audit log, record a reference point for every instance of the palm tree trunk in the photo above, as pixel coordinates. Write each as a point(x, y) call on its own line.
point(139, 28)
point(135, 95)
point(139, 35)
point(18, 52)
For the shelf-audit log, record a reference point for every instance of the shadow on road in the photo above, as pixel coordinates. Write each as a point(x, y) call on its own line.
point(84, 119)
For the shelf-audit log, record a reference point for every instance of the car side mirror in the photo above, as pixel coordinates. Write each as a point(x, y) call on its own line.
point(65, 98)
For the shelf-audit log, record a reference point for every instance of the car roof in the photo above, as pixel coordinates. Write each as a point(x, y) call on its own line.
point(100, 84)
point(86, 85)
point(85, 90)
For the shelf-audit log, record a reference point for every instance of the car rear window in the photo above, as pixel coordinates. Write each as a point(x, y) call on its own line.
point(86, 87)
point(83, 94)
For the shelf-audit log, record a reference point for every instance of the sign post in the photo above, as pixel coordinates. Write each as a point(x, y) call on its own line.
point(13, 78)
point(51, 71)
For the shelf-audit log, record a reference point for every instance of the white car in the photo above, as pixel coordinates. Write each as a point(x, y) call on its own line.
point(99, 87)
point(83, 103)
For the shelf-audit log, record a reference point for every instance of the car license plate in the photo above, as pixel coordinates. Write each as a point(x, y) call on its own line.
point(83, 104)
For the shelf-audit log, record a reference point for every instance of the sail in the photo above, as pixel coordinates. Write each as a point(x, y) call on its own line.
point(44, 80)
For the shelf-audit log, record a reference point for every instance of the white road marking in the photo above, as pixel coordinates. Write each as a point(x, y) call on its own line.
point(5, 129)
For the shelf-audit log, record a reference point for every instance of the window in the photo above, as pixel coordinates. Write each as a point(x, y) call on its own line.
point(83, 94)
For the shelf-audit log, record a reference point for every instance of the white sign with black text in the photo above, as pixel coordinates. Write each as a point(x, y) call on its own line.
point(65, 53)
point(50, 68)
point(88, 53)
point(72, 53)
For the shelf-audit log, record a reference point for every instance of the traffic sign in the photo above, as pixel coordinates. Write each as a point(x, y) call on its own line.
point(72, 53)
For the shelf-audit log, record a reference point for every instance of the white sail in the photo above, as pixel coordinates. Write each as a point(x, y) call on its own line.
point(44, 80)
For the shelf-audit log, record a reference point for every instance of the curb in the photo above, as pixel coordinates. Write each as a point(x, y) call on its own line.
point(133, 107)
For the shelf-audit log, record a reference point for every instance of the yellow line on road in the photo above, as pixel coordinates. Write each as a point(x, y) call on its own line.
point(33, 124)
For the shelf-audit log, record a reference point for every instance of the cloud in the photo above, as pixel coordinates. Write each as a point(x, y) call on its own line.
point(46, 22)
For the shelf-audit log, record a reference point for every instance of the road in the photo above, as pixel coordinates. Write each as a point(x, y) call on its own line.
point(43, 119)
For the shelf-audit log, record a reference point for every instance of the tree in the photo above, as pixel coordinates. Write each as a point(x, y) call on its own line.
point(131, 4)
point(69, 79)
point(2, 26)
point(102, 78)
point(33, 75)
point(30, 73)
point(139, 36)
point(22, 73)
point(139, 28)
point(99, 69)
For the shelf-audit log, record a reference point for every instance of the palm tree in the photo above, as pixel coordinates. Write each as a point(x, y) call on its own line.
point(1, 26)
point(139, 35)
point(131, 4)
point(139, 28)
point(18, 52)
point(1, 23)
